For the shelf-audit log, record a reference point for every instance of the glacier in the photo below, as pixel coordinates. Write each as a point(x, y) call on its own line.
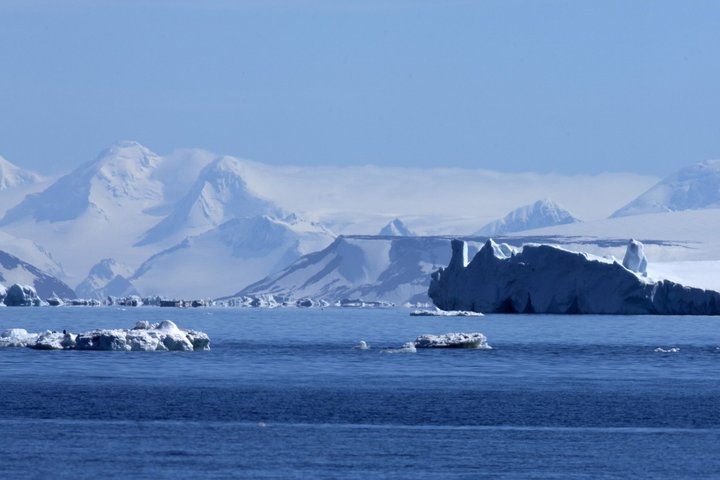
point(147, 337)
point(541, 278)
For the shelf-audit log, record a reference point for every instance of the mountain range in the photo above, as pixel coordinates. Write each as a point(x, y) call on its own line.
point(195, 224)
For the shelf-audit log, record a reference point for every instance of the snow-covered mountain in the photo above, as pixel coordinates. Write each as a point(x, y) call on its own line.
point(691, 188)
point(14, 270)
point(368, 267)
point(107, 278)
point(130, 204)
point(99, 209)
point(236, 253)
point(396, 228)
point(219, 194)
point(118, 177)
point(543, 213)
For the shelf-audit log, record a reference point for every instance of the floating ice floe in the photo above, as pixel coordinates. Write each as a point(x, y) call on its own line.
point(408, 347)
point(550, 279)
point(453, 340)
point(443, 313)
point(147, 337)
point(668, 350)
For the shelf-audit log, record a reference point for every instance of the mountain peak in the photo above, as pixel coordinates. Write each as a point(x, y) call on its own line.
point(396, 228)
point(690, 188)
point(13, 176)
point(542, 213)
point(119, 173)
point(219, 194)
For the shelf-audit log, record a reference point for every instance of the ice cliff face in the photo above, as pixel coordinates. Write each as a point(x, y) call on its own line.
point(548, 279)
point(543, 213)
point(691, 188)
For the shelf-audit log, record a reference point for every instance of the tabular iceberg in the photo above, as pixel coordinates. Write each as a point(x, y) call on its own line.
point(549, 279)
point(144, 336)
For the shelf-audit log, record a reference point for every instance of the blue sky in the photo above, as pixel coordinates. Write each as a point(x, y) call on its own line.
point(546, 86)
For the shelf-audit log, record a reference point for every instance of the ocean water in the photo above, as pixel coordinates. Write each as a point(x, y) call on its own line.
point(282, 394)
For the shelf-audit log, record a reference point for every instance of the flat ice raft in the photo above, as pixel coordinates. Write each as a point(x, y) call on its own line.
point(452, 340)
point(146, 337)
point(549, 279)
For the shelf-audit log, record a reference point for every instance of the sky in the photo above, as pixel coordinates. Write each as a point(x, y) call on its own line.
point(569, 87)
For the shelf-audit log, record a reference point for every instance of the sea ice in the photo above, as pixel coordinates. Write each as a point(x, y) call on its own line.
point(442, 313)
point(408, 347)
point(144, 336)
point(667, 350)
point(453, 340)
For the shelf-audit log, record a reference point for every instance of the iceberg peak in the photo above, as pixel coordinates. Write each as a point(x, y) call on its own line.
point(635, 259)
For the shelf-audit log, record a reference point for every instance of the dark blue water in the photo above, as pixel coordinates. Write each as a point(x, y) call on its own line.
point(282, 394)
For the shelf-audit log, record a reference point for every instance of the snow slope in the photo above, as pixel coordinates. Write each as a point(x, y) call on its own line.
point(694, 187)
point(16, 183)
point(14, 270)
point(543, 213)
point(32, 253)
point(230, 256)
point(12, 176)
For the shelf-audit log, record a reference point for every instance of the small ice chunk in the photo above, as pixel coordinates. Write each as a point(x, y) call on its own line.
point(17, 337)
point(408, 347)
point(444, 313)
point(362, 345)
point(668, 350)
